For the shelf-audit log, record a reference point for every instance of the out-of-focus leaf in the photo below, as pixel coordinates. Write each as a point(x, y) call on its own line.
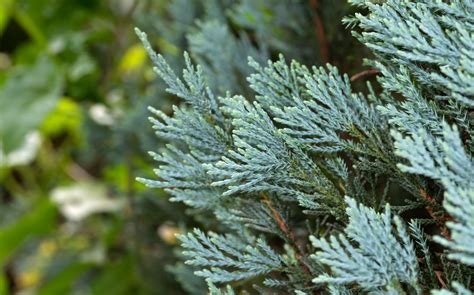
point(26, 97)
point(56, 16)
point(28, 279)
point(24, 154)
point(82, 66)
point(167, 47)
point(133, 59)
point(29, 25)
point(3, 284)
point(80, 200)
point(117, 278)
point(39, 220)
point(120, 176)
point(62, 283)
point(6, 7)
point(65, 118)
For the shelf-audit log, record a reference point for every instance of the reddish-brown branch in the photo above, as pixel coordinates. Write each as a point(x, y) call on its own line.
point(362, 74)
point(320, 32)
point(286, 230)
point(439, 276)
point(440, 220)
point(279, 220)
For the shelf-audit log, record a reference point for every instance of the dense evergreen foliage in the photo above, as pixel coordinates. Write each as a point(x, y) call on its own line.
point(303, 180)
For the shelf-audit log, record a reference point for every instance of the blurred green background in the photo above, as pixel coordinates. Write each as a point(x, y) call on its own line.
point(74, 86)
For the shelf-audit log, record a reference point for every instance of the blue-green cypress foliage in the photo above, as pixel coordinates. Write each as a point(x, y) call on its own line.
point(312, 185)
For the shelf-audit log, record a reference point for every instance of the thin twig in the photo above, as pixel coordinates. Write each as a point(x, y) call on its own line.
point(440, 220)
point(320, 32)
point(362, 74)
point(439, 276)
point(288, 233)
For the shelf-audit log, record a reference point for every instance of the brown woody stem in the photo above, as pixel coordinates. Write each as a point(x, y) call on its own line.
point(320, 32)
point(365, 73)
point(440, 220)
point(286, 230)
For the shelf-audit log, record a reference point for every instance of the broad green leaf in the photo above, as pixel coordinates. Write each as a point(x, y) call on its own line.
point(62, 283)
point(116, 278)
point(3, 284)
point(6, 7)
point(26, 97)
point(39, 220)
point(29, 25)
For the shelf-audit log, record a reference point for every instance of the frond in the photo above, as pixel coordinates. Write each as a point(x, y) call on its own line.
point(372, 253)
point(445, 160)
point(227, 258)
